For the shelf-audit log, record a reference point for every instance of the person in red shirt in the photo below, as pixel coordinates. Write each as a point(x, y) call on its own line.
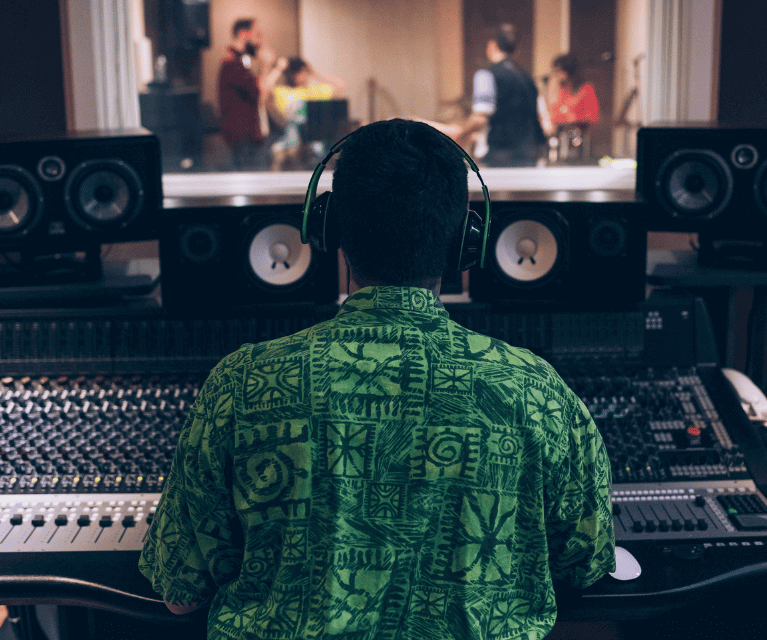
point(573, 107)
point(241, 96)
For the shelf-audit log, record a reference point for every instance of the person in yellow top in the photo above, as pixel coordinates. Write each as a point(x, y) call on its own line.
point(301, 83)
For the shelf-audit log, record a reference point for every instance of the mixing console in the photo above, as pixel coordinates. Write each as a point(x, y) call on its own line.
point(82, 459)
point(96, 434)
point(658, 425)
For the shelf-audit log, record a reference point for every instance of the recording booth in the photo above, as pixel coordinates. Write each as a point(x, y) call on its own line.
point(98, 373)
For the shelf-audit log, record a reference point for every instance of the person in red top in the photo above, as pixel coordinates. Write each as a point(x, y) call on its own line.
point(575, 100)
point(241, 96)
point(573, 107)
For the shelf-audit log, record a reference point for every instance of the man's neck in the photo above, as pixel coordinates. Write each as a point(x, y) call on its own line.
point(356, 283)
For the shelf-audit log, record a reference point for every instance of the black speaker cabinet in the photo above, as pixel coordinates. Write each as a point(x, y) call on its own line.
point(574, 254)
point(79, 190)
point(226, 258)
point(707, 179)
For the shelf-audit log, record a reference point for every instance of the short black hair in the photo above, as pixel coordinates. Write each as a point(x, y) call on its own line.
point(400, 194)
point(506, 37)
point(243, 24)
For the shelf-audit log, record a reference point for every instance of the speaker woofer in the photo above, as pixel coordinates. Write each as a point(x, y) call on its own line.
point(276, 257)
point(695, 184)
point(103, 193)
point(760, 188)
point(21, 201)
point(528, 251)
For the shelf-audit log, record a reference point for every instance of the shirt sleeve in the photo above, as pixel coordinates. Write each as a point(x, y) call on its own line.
point(589, 105)
point(579, 522)
point(194, 544)
point(484, 92)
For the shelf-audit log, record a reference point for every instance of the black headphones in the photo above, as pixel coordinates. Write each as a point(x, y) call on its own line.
point(321, 228)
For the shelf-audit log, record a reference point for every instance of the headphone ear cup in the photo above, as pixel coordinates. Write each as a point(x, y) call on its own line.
point(322, 226)
point(471, 240)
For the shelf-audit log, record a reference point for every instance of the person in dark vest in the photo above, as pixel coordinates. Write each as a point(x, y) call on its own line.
point(506, 102)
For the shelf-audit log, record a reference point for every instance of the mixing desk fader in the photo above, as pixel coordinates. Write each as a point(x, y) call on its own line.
point(75, 522)
point(678, 473)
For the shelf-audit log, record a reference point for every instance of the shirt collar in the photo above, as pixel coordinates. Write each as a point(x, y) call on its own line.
point(403, 298)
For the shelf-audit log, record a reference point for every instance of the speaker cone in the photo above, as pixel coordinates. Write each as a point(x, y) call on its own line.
point(528, 252)
point(20, 200)
point(695, 184)
point(276, 256)
point(103, 193)
point(760, 188)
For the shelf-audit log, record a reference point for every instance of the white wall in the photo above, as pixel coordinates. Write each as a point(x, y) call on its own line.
point(393, 44)
point(551, 34)
point(630, 73)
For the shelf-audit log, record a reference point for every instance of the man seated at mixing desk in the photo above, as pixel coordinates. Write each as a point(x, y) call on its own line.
point(387, 472)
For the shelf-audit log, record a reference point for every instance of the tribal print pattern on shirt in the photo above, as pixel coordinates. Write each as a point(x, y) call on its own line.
point(385, 475)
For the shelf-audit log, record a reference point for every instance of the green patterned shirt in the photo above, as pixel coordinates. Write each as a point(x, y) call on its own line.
point(384, 475)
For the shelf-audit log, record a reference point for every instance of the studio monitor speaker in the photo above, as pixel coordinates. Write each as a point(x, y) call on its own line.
point(707, 179)
point(79, 190)
point(215, 259)
point(575, 254)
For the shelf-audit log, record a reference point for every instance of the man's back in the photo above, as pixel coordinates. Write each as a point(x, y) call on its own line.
point(385, 474)
point(515, 125)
